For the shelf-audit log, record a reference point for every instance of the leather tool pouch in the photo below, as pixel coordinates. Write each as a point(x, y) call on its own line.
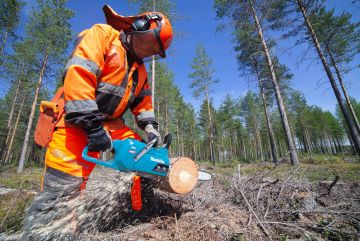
point(50, 114)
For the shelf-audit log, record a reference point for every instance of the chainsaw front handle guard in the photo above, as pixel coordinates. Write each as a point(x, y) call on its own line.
point(145, 149)
point(86, 157)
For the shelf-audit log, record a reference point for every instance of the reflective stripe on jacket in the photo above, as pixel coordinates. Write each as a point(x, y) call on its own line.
point(99, 84)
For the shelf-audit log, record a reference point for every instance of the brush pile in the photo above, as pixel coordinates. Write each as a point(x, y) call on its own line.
point(256, 206)
point(252, 207)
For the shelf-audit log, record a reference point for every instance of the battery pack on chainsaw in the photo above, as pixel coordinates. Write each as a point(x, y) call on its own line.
point(50, 114)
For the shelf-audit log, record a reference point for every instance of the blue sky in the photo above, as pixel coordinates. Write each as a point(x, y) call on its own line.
point(198, 24)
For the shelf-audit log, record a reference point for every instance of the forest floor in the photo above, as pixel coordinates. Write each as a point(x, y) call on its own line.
point(318, 200)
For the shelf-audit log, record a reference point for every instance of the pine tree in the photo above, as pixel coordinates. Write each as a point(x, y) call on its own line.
point(9, 19)
point(202, 81)
point(246, 19)
point(49, 30)
point(340, 40)
point(285, 12)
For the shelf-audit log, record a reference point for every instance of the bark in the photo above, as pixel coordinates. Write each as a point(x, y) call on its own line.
point(338, 144)
point(347, 98)
point(166, 120)
point(259, 143)
point(243, 148)
point(182, 145)
point(269, 127)
point(351, 125)
point(14, 101)
point(306, 137)
point(212, 158)
point(280, 102)
point(177, 138)
point(267, 117)
point(9, 128)
point(4, 42)
point(6, 160)
point(32, 113)
point(193, 143)
point(153, 79)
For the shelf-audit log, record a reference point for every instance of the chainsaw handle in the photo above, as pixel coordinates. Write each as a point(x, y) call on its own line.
point(86, 157)
point(145, 149)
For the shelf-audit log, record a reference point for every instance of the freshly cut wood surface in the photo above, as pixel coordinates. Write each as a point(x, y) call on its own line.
point(182, 177)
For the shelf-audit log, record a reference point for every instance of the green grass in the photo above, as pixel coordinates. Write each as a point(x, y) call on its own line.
point(29, 179)
point(315, 168)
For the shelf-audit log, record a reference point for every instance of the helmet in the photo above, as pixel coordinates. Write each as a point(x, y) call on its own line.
point(149, 33)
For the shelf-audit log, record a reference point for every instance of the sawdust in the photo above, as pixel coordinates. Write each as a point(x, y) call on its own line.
point(205, 214)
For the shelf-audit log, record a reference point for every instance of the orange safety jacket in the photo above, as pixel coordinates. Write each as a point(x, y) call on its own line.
point(101, 81)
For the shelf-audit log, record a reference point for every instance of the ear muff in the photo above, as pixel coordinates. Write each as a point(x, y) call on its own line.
point(143, 24)
point(140, 25)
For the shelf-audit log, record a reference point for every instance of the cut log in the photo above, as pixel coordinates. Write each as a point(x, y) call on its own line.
point(182, 176)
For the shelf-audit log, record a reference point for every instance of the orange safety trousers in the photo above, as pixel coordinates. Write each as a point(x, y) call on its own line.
point(66, 146)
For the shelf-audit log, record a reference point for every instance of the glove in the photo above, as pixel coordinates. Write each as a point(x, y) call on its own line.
point(98, 139)
point(152, 133)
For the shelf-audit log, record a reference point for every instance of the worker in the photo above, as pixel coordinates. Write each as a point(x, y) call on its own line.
point(104, 77)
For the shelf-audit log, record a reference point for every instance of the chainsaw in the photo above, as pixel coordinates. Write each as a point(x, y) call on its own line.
point(144, 159)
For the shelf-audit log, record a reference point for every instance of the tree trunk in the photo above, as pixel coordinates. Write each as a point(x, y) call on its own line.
point(9, 129)
point(212, 158)
point(4, 42)
point(306, 137)
point(14, 101)
point(32, 113)
point(267, 117)
point(177, 138)
point(351, 125)
point(269, 127)
point(243, 148)
point(284, 119)
point(153, 79)
point(347, 98)
point(6, 160)
point(338, 145)
point(259, 143)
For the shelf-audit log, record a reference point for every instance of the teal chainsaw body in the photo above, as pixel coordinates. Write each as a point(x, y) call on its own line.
point(131, 155)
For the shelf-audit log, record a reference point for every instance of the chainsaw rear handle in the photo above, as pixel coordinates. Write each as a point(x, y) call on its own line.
point(86, 157)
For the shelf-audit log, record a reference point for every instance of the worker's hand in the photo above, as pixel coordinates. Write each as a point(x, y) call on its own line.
point(152, 133)
point(98, 139)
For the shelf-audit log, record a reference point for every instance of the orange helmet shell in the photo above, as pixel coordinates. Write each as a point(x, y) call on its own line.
point(166, 34)
point(120, 22)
